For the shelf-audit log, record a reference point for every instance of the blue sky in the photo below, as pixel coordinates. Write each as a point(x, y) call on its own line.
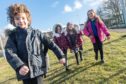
point(46, 13)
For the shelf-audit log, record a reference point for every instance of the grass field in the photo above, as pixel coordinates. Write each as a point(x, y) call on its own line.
point(113, 71)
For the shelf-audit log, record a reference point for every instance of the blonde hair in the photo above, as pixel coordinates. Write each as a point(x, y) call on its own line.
point(14, 9)
point(96, 17)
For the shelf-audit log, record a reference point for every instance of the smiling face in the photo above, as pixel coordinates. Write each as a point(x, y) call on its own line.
point(70, 26)
point(91, 14)
point(21, 20)
point(58, 29)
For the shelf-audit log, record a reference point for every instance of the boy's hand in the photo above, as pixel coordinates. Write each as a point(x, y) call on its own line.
point(62, 61)
point(23, 70)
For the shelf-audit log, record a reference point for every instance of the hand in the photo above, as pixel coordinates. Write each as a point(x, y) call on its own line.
point(71, 51)
point(77, 45)
point(90, 36)
point(108, 37)
point(62, 61)
point(23, 70)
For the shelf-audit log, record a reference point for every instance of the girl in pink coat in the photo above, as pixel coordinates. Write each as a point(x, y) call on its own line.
point(96, 30)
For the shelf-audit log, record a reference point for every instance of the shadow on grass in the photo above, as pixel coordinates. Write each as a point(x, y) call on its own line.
point(112, 76)
point(58, 69)
point(116, 40)
point(62, 76)
point(67, 75)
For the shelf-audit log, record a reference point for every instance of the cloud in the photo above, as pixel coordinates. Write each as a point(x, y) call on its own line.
point(67, 8)
point(95, 3)
point(77, 4)
point(55, 4)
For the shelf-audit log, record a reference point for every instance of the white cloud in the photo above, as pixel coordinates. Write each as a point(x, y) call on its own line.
point(77, 4)
point(55, 4)
point(67, 8)
point(95, 3)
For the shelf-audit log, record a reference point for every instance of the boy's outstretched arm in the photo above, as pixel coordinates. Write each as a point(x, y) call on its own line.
point(11, 55)
point(51, 45)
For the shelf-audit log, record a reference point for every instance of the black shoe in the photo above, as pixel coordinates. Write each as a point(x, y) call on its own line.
point(81, 59)
point(102, 61)
point(78, 63)
point(67, 69)
point(96, 58)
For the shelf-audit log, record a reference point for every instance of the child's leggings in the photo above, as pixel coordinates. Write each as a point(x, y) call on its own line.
point(77, 53)
point(65, 53)
point(98, 46)
point(36, 80)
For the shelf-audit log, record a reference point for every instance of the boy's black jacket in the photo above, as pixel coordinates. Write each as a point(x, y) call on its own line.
point(37, 45)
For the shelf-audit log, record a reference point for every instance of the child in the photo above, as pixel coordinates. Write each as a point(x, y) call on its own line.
point(26, 48)
point(61, 41)
point(95, 30)
point(74, 40)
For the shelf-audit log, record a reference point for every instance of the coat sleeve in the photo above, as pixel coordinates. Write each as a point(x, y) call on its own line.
point(105, 29)
point(11, 54)
point(51, 45)
point(86, 32)
point(55, 40)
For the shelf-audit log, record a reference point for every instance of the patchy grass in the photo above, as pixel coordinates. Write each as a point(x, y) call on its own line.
point(113, 71)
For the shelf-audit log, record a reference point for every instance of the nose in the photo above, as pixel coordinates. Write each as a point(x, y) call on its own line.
point(20, 20)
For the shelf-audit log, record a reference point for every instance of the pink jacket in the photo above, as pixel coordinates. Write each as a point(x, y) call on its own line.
point(101, 29)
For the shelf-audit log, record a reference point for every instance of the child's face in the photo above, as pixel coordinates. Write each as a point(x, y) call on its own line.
point(21, 20)
point(58, 30)
point(91, 15)
point(70, 26)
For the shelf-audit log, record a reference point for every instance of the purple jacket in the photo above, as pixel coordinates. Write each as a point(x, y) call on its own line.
point(101, 29)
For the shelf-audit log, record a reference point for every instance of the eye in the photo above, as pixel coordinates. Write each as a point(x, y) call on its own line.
point(16, 18)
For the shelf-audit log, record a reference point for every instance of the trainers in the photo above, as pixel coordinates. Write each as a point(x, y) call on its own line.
point(96, 58)
point(67, 69)
point(102, 61)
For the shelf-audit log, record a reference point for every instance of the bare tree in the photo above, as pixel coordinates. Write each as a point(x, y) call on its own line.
point(112, 10)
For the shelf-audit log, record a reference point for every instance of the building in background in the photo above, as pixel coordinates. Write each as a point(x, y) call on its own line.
point(113, 13)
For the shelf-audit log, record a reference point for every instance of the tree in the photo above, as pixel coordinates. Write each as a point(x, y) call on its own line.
point(110, 11)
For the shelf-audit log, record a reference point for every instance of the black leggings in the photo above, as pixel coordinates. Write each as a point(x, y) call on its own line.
point(77, 53)
point(98, 46)
point(36, 80)
point(65, 53)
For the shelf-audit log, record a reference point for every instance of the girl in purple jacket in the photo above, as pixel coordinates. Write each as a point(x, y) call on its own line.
point(60, 39)
point(96, 30)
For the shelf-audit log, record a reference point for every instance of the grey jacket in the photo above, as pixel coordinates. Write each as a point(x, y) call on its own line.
point(37, 45)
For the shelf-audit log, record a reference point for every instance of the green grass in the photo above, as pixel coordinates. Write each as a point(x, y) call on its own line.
point(89, 71)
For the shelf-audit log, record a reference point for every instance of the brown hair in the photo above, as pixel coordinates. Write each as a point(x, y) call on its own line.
point(14, 9)
point(56, 27)
point(96, 17)
point(74, 30)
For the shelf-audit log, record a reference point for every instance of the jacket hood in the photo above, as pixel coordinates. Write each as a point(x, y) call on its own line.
point(8, 31)
point(57, 34)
